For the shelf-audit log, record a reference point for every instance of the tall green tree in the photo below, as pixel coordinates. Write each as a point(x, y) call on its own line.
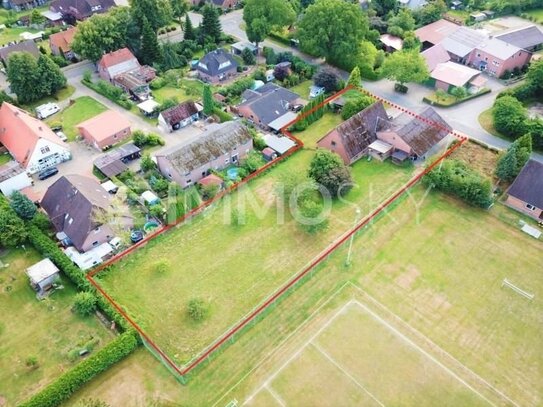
point(36, 17)
point(355, 78)
point(207, 97)
point(535, 76)
point(516, 156)
point(150, 49)
point(401, 23)
point(179, 9)
point(51, 77)
point(333, 29)
point(22, 206)
point(12, 229)
point(509, 116)
point(23, 76)
point(405, 66)
point(261, 17)
point(430, 12)
point(188, 29)
point(383, 7)
point(211, 25)
point(327, 169)
point(157, 12)
point(100, 34)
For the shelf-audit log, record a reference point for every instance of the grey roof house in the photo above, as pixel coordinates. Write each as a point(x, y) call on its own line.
point(528, 38)
point(72, 204)
point(270, 106)
point(216, 66)
point(526, 192)
point(23, 46)
point(460, 43)
point(223, 145)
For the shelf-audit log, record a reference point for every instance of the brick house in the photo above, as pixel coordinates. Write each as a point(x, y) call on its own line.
point(224, 4)
point(223, 145)
point(351, 139)
point(495, 57)
point(526, 193)
point(105, 130)
point(61, 43)
point(179, 116)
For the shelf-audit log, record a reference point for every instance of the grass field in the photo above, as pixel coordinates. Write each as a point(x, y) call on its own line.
point(358, 358)
point(82, 109)
point(232, 268)
point(45, 329)
point(537, 13)
point(317, 130)
point(422, 265)
point(188, 89)
point(302, 89)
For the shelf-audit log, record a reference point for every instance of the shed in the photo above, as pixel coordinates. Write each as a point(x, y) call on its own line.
point(380, 150)
point(281, 144)
point(148, 107)
point(211, 179)
point(42, 275)
point(110, 187)
point(282, 121)
point(150, 198)
point(13, 178)
point(239, 47)
point(269, 154)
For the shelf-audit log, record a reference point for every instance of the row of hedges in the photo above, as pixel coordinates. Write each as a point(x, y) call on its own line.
point(109, 91)
point(482, 92)
point(63, 387)
point(48, 248)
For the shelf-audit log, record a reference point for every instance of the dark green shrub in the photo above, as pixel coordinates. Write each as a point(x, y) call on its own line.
point(85, 303)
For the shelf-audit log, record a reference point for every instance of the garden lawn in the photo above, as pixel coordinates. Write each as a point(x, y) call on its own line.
point(319, 129)
point(537, 13)
point(82, 109)
point(62, 94)
point(302, 89)
point(14, 34)
point(188, 89)
point(233, 268)
point(5, 158)
point(46, 329)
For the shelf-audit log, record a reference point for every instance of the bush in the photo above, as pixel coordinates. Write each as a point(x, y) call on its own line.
point(157, 83)
point(456, 178)
point(223, 116)
point(32, 361)
point(63, 387)
point(41, 221)
point(85, 303)
point(111, 92)
point(197, 309)
point(354, 106)
point(151, 139)
point(398, 87)
point(308, 119)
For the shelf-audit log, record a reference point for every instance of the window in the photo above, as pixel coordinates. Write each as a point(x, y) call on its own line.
point(530, 207)
point(478, 55)
point(227, 161)
point(235, 158)
point(189, 181)
point(44, 149)
point(95, 243)
point(333, 143)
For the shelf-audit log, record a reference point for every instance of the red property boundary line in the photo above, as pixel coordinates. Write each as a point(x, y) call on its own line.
point(182, 371)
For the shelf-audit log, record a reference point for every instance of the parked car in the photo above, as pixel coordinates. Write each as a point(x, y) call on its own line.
point(61, 135)
point(315, 91)
point(46, 110)
point(49, 172)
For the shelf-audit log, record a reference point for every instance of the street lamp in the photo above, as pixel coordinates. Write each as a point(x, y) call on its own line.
point(356, 219)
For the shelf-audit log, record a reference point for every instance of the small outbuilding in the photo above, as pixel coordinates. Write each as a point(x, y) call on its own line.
point(239, 47)
point(150, 198)
point(149, 107)
point(13, 178)
point(211, 179)
point(269, 154)
point(42, 275)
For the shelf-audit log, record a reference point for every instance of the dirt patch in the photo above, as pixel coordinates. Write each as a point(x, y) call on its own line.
point(406, 279)
point(439, 301)
point(478, 158)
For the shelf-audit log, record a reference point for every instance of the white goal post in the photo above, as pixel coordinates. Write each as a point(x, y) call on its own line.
point(510, 285)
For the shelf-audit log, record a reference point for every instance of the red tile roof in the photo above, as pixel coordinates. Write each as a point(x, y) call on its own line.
point(436, 31)
point(116, 57)
point(105, 125)
point(20, 132)
point(63, 39)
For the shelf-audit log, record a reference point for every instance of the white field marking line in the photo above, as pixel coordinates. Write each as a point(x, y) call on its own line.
point(417, 347)
point(276, 396)
point(279, 347)
point(435, 346)
point(300, 350)
point(336, 364)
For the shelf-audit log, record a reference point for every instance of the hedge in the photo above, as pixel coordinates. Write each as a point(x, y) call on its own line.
point(95, 87)
point(223, 116)
point(48, 248)
point(63, 387)
point(457, 102)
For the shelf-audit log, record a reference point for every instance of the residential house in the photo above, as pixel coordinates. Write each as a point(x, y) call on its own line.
point(495, 57)
point(179, 116)
point(123, 70)
point(526, 193)
point(223, 145)
point(432, 34)
point(22, 5)
point(79, 10)
point(13, 178)
point(30, 141)
point(23, 46)
point(462, 42)
point(216, 66)
point(351, 139)
point(415, 137)
point(74, 204)
point(529, 38)
point(224, 4)
point(449, 75)
point(42, 276)
point(52, 18)
point(391, 43)
point(270, 106)
point(61, 43)
point(105, 130)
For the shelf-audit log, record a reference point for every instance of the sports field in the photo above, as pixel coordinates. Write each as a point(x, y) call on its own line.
point(357, 357)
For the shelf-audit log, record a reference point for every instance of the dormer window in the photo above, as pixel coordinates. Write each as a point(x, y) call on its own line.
point(96, 8)
point(224, 65)
point(202, 65)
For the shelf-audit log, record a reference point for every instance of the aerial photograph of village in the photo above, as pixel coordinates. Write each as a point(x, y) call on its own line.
point(270, 203)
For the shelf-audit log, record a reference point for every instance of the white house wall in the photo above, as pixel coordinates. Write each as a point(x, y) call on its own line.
point(56, 154)
point(15, 183)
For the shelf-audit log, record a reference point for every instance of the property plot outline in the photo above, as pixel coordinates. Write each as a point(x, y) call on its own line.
point(296, 277)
